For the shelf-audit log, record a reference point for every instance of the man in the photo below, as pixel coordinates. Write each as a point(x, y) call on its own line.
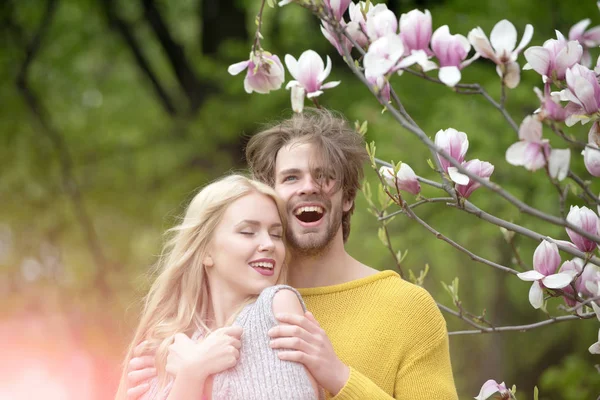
point(378, 337)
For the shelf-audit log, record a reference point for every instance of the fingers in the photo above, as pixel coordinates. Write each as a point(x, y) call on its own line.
point(141, 375)
point(139, 363)
point(312, 318)
point(137, 392)
point(299, 320)
point(233, 331)
point(291, 343)
point(296, 356)
point(140, 349)
point(289, 331)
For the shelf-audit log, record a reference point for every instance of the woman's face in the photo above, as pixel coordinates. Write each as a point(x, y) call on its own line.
point(246, 253)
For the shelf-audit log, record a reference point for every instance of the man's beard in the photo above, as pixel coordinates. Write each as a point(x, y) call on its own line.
point(314, 243)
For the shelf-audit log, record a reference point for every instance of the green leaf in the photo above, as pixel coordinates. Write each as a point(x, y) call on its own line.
point(431, 164)
point(382, 236)
point(382, 196)
point(536, 393)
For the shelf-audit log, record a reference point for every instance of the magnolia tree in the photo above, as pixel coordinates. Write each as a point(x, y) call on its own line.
point(378, 47)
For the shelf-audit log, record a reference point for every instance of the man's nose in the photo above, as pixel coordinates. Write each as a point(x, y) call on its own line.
point(309, 186)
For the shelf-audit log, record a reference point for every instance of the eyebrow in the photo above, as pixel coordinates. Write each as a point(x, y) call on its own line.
point(256, 223)
point(290, 171)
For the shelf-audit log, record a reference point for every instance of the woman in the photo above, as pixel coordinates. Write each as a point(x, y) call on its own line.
point(203, 316)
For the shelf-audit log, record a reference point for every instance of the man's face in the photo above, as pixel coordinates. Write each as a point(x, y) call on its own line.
point(314, 211)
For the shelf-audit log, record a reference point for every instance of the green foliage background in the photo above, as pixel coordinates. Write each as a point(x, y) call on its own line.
point(131, 166)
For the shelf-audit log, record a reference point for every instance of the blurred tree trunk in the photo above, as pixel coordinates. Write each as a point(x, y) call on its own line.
point(221, 20)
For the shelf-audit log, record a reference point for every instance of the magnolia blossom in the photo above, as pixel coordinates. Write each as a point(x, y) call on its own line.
point(382, 85)
point(582, 93)
point(451, 51)
point(415, 31)
point(384, 56)
point(329, 33)
point(454, 143)
point(588, 39)
point(492, 387)
point(405, 179)
point(265, 72)
point(574, 268)
point(591, 153)
point(553, 58)
point(381, 22)
point(586, 220)
point(545, 263)
point(531, 151)
point(309, 72)
point(502, 49)
point(558, 163)
point(337, 7)
point(550, 107)
point(483, 169)
point(357, 26)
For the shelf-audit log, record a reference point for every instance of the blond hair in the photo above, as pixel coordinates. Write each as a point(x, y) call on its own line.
point(340, 149)
point(178, 300)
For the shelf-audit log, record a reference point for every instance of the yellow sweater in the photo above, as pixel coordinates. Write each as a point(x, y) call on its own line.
point(390, 333)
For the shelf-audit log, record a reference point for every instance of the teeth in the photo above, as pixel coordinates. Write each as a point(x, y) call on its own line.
point(309, 209)
point(262, 264)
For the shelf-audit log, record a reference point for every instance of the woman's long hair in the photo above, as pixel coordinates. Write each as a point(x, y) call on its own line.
point(178, 300)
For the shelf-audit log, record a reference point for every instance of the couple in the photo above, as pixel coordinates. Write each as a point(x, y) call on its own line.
point(214, 324)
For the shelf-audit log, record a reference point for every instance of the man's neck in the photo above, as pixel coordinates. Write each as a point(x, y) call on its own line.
point(331, 266)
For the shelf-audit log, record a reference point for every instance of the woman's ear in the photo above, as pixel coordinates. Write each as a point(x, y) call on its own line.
point(208, 261)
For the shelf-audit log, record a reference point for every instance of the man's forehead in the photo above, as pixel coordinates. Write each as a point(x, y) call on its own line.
point(297, 155)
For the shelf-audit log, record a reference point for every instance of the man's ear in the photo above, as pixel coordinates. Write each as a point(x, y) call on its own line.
point(347, 205)
point(208, 261)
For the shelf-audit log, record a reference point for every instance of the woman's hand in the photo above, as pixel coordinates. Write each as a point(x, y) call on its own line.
point(219, 351)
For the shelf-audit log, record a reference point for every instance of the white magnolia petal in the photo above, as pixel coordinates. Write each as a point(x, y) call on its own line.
point(323, 75)
point(330, 85)
point(297, 98)
point(458, 177)
point(504, 37)
point(558, 164)
point(527, 35)
point(236, 68)
point(314, 94)
point(449, 75)
point(292, 65)
point(515, 154)
point(531, 275)
point(557, 281)
point(536, 295)
point(595, 348)
point(292, 84)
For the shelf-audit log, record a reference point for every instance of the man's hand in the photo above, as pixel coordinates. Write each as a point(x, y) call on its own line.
point(306, 342)
point(140, 371)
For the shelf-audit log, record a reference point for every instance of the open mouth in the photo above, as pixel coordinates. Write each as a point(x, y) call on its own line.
point(309, 214)
point(264, 267)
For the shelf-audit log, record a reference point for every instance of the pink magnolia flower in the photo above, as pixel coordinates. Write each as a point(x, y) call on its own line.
point(309, 72)
point(587, 282)
point(265, 72)
point(586, 220)
point(490, 388)
point(591, 153)
point(531, 151)
point(502, 49)
point(553, 58)
point(381, 22)
point(358, 25)
point(546, 261)
point(583, 95)
point(483, 169)
point(406, 179)
point(454, 143)
point(550, 108)
point(337, 7)
point(330, 35)
point(415, 31)
point(382, 85)
point(588, 39)
point(384, 56)
point(451, 51)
